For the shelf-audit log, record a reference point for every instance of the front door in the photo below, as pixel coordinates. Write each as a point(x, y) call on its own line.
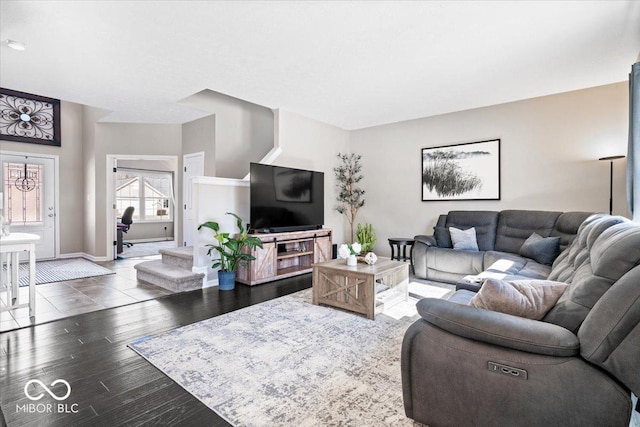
point(28, 198)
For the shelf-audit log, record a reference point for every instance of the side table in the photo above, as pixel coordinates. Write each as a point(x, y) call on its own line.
point(10, 248)
point(399, 244)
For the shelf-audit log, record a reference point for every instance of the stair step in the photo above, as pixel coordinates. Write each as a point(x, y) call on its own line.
point(181, 257)
point(167, 276)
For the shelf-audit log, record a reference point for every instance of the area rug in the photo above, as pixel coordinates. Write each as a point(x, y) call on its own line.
point(60, 270)
point(146, 249)
point(287, 362)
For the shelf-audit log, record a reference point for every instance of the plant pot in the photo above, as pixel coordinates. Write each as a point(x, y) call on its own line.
point(352, 260)
point(226, 280)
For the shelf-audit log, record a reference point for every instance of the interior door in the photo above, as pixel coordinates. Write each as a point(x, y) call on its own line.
point(193, 166)
point(28, 198)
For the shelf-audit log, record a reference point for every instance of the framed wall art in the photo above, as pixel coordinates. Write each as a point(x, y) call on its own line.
point(29, 118)
point(468, 171)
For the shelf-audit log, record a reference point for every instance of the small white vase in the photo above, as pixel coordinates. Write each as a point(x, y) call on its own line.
point(352, 260)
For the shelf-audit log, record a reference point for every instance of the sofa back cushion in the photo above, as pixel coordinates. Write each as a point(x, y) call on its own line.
point(515, 226)
point(485, 223)
point(567, 227)
point(605, 249)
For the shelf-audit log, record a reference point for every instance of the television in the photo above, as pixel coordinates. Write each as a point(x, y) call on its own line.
point(285, 199)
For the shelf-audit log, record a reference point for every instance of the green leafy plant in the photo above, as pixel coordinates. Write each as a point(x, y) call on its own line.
point(366, 236)
point(350, 197)
point(230, 248)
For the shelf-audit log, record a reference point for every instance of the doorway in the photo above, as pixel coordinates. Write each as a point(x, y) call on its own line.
point(150, 210)
point(28, 186)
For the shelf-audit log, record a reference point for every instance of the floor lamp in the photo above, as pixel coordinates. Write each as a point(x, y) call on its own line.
point(611, 159)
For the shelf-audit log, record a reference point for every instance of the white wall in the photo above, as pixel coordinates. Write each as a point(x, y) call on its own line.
point(309, 144)
point(212, 198)
point(549, 149)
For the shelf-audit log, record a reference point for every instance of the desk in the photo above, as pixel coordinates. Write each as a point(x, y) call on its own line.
point(10, 248)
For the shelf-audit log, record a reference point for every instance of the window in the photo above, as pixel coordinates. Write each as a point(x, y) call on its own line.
point(149, 192)
point(23, 192)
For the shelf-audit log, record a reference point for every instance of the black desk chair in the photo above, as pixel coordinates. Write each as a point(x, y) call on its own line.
point(125, 223)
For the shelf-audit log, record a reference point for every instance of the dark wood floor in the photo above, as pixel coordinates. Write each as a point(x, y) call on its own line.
point(111, 384)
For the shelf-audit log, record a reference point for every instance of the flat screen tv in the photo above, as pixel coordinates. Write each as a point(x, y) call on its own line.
point(285, 199)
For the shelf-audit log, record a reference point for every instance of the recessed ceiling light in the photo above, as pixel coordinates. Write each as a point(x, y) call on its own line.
point(15, 45)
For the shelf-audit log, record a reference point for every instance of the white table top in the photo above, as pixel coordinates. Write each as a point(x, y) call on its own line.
point(15, 238)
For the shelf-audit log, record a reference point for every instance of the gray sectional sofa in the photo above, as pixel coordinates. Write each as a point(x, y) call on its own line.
point(577, 366)
point(500, 236)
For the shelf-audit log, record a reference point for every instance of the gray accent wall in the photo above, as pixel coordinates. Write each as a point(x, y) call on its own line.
point(243, 131)
point(550, 146)
point(200, 136)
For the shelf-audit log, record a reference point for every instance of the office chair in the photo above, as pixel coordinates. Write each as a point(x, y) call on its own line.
point(125, 223)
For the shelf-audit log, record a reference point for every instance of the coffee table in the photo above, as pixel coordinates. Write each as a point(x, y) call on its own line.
point(365, 289)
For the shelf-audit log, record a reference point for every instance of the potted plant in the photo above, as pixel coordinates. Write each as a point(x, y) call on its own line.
point(230, 250)
point(350, 197)
point(366, 236)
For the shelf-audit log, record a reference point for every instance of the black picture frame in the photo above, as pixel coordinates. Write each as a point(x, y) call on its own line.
point(29, 118)
point(467, 171)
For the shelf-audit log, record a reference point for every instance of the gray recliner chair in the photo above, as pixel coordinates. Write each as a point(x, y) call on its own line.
point(465, 366)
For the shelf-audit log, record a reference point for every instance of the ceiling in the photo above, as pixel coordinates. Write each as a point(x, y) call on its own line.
point(352, 64)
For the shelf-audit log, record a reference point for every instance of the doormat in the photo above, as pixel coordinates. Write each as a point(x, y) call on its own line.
point(59, 270)
point(288, 362)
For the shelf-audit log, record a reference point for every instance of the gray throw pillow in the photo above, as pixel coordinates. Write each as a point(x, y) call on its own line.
point(464, 240)
point(531, 299)
point(544, 250)
point(443, 238)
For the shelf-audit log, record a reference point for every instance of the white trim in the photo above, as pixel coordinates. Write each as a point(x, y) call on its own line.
point(150, 240)
point(214, 180)
point(210, 283)
point(82, 255)
point(190, 155)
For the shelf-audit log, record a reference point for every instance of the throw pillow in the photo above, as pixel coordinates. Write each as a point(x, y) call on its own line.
point(524, 298)
point(464, 240)
point(443, 237)
point(544, 250)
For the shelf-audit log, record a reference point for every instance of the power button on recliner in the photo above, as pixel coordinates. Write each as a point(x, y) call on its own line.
point(507, 370)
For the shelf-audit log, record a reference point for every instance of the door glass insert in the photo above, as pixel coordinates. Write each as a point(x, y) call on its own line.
point(23, 193)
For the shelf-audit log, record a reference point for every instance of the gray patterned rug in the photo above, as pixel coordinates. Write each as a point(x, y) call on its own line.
point(60, 270)
point(286, 362)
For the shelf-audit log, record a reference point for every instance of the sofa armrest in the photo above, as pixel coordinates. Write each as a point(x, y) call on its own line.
point(499, 329)
point(427, 240)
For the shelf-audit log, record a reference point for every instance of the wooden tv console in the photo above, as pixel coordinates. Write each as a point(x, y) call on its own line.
point(285, 255)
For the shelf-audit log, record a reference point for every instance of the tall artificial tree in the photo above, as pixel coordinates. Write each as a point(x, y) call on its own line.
point(350, 197)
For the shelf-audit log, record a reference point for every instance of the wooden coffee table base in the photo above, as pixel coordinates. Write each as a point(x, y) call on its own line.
point(354, 288)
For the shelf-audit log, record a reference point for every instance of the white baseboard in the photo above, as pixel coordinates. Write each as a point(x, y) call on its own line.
point(210, 283)
point(83, 255)
point(159, 239)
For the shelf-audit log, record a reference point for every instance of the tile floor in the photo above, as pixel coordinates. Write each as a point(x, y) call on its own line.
point(64, 299)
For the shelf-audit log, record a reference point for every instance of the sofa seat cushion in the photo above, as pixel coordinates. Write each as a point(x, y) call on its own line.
point(529, 298)
point(507, 266)
point(447, 265)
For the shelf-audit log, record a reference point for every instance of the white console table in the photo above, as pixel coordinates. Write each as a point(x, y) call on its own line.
point(10, 248)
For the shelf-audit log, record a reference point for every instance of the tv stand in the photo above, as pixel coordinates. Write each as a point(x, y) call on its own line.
point(287, 229)
point(285, 254)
